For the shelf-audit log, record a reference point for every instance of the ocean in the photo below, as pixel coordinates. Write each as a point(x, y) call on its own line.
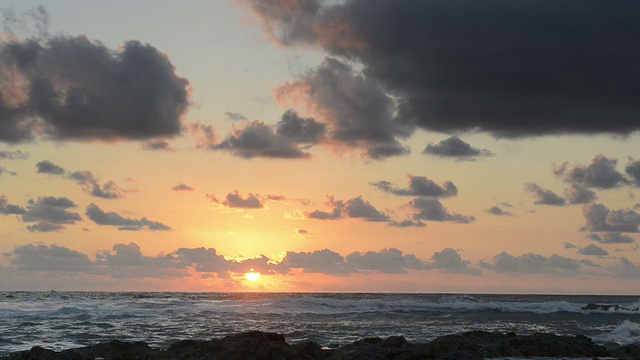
point(60, 320)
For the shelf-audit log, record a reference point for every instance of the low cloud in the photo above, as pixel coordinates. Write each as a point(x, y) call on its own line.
point(102, 94)
point(320, 261)
point(592, 250)
point(356, 208)
point(419, 186)
point(10, 209)
point(455, 148)
point(14, 155)
point(543, 196)
point(576, 194)
point(4, 170)
point(611, 238)
point(234, 116)
point(182, 187)
point(407, 223)
point(600, 174)
point(110, 218)
point(432, 210)
point(390, 261)
point(47, 167)
point(450, 261)
point(530, 263)
point(157, 145)
point(633, 170)
point(600, 218)
point(50, 213)
point(86, 179)
point(496, 210)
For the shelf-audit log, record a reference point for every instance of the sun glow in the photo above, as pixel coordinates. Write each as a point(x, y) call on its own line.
point(252, 275)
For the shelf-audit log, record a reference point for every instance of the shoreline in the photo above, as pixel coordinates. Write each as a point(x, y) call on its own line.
point(266, 345)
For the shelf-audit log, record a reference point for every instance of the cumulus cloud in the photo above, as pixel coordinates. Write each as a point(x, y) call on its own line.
point(633, 170)
point(357, 111)
point(601, 173)
point(496, 210)
point(600, 218)
point(592, 250)
point(320, 261)
point(530, 263)
point(72, 88)
point(10, 209)
point(234, 116)
point(433, 210)
point(543, 196)
point(611, 238)
point(86, 179)
point(111, 218)
point(419, 186)
point(576, 194)
point(156, 145)
point(391, 261)
point(357, 208)
point(450, 261)
point(4, 170)
point(14, 155)
point(507, 68)
point(182, 187)
point(455, 148)
point(48, 258)
point(50, 213)
point(236, 200)
point(300, 130)
point(407, 223)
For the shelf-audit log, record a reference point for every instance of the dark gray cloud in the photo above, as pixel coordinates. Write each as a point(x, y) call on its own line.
point(455, 148)
point(47, 167)
point(569, 246)
point(633, 170)
point(300, 130)
point(50, 213)
point(234, 116)
point(407, 223)
point(450, 261)
point(576, 194)
point(356, 110)
point(592, 250)
point(86, 179)
point(390, 261)
point(258, 139)
point(182, 187)
point(433, 210)
point(513, 69)
point(419, 186)
point(611, 238)
point(530, 264)
point(601, 173)
point(10, 209)
point(543, 196)
point(320, 261)
point(587, 262)
point(356, 208)
point(496, 210)
point(14, 155)
point(156, 145)
point(49, 258)
point(72, 88)
point(600, 218)
point(3, 170)
point(111, 218)
point(236, 200)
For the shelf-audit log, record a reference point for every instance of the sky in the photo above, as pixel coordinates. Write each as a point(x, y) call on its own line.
point(329, 145)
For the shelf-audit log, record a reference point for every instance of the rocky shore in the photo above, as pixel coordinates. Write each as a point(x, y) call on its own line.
point(266, 346)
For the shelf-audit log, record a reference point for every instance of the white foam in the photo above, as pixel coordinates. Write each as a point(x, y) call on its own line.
point(624, 334)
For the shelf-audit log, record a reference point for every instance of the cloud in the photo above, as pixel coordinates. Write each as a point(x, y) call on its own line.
point(320, 261)
point(530, 263)
point(300, 130)
point(633, 170)
point(182, 187)
point(449, 260)
point(507, 68)
point(496, 210)
point(601, 173)
point(390, 261)
point(4, 170)
point(569, 246)
point(431, 209)
point(576, 194)
point(14, 155)
point(455, 148)
point(356, 208)
point(234, 116)
point(258, 139)
point(356, 110)
point(600, 218)
point(237, 201)
point(592, 250)
point(47, 167)
point(72, 88)
point(419, 186)
point(204, 135)
point(50, 213)
point(611, 238)
point(10, 209)
point(156, 145)
point(86, 179)
point(407, 223)
point(110, 218)
point(543, 196)
point(49, 258)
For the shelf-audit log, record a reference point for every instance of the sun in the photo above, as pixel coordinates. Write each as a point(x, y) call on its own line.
point(252, 275)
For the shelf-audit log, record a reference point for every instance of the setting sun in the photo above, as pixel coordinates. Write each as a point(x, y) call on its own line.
point(252, 275)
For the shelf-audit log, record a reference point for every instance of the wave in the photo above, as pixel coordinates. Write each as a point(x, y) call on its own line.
point(624, 334)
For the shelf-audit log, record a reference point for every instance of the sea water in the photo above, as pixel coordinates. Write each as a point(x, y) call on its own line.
point(60, 320)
